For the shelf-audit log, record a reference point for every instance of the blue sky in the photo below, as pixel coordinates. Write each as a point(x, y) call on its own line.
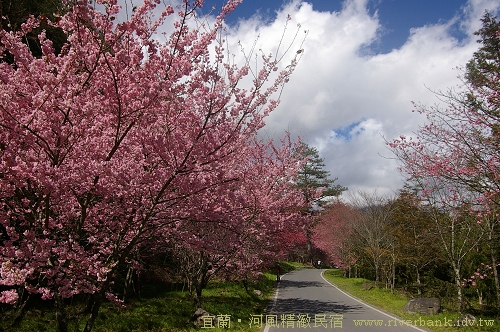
point(397, 17)
point(364, 63)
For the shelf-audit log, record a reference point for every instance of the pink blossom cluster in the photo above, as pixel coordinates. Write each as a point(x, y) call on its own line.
point(454, 161)
point(120, 140)
point(9, 296)
point(482, 272)
point(332, 232)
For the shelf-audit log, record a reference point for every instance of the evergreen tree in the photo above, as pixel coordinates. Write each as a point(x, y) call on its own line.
point(312, 176)
point(455, 158)
point(482, 70)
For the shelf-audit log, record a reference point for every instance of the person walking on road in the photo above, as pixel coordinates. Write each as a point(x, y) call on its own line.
point(278, 272)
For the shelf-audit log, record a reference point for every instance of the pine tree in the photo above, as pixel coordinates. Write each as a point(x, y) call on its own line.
point(312, 177)
point(482, 70)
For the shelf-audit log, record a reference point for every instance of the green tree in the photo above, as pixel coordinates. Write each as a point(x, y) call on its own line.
point(482, 73)
point(316, 185)
point(313, 177)
point(413, 229)
point(482, 70)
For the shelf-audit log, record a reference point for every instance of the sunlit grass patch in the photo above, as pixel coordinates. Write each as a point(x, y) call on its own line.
point(394, 303)
point(165, 308)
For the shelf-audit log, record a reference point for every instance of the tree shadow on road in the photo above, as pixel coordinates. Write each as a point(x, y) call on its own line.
point(309, 306)
point(300, 284)
point(306, 306)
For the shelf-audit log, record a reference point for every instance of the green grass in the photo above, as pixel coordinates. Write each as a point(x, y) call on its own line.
point(171, 311)
point(394, 304)
point(162, 308)
point(289, 266)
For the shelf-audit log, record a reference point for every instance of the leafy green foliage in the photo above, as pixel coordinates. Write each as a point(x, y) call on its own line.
point(164, 307)
point(394, 303)
point(312, 176)
point(483, 68)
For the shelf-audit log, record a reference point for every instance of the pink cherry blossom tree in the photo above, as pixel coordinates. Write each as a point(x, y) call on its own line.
point(332, 233)
point(246, 231)
point(454, 157)
point(120, 137)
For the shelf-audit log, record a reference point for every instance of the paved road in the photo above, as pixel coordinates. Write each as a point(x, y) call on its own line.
point(305, 300)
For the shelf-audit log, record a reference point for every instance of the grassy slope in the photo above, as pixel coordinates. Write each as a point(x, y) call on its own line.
point(164, 309)
point(394, 303)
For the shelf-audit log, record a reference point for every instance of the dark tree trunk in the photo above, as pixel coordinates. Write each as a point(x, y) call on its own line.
point(492, 245)
point(61, 317)
point(128, 284)
point(245, 285)
point(19, 308)
point(90, 304)
point(94, 312)
point(419, 282)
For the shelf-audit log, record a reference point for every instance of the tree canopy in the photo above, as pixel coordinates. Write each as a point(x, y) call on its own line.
point(123, 140)
point(312, 177)
point(454, 158)
point(13, 13)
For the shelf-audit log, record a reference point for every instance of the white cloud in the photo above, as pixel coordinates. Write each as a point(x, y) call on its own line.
point(338, 84)
point(473, 11)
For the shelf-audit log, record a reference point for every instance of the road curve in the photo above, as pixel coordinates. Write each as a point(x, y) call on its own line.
point(305, 300)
